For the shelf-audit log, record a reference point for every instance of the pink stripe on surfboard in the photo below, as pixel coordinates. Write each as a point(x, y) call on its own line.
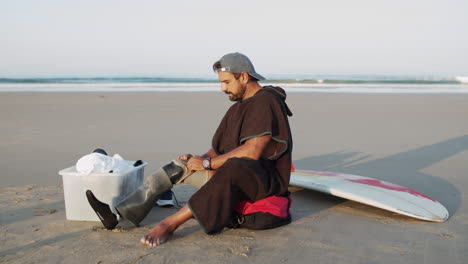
point(368, 181)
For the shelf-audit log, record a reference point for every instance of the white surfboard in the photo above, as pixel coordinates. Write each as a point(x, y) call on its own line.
point(381, 194)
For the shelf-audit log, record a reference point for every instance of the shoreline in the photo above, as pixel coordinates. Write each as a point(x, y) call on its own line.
point(305, 88)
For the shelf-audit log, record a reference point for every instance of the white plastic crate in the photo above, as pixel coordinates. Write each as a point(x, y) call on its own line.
point(110, 188)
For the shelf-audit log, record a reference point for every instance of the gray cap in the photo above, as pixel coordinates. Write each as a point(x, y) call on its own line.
point(236, 63)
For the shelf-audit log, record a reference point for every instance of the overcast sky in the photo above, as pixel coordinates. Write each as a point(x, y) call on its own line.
point(181, 37)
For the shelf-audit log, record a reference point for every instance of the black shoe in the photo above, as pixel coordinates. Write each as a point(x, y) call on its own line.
point(103, 211)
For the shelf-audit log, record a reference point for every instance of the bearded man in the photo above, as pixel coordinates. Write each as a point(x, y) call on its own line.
point(249, 160)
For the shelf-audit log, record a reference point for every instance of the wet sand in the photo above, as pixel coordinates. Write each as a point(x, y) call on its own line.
point(418, 141)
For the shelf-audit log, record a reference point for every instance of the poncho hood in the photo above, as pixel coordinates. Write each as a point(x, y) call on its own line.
point(280, 93)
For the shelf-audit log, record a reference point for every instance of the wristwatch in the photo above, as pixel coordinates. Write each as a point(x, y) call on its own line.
point(207, 164)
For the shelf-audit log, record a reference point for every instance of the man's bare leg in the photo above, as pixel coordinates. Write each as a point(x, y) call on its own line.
point(164, 230)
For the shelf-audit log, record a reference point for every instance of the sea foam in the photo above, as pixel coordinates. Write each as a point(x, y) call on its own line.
point(305, 84)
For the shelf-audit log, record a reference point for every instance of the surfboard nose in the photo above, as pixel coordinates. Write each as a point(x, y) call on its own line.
point(442, 214)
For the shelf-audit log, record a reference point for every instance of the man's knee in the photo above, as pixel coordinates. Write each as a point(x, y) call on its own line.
point(198, 178)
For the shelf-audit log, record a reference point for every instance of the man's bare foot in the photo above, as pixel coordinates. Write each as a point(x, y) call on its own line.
point(160, 234)
point(163, 231)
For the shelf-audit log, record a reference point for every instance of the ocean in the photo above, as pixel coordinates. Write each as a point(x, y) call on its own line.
point(382, 84)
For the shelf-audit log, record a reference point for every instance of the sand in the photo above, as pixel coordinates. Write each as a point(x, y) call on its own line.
point(418, 141)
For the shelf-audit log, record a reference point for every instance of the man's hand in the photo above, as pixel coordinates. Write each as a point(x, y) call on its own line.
point(185, 157)
point(195, 163)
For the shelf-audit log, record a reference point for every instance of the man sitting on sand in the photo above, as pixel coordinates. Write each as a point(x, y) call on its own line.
point(250, 159)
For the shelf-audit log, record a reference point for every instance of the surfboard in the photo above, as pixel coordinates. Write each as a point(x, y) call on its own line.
point(381, 194)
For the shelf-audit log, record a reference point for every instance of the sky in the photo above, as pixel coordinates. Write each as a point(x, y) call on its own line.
point(64, 38)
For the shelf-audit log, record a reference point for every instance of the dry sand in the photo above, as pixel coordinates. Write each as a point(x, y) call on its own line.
point(418, 141)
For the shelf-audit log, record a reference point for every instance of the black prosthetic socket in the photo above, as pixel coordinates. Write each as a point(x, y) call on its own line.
point(174, 172)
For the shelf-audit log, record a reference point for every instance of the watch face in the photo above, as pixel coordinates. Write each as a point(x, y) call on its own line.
point(206, 163)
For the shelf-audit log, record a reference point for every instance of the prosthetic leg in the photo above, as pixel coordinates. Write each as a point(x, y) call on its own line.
point(137, 205)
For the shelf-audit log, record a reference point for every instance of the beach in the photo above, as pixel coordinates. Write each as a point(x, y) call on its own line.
point(418, 141)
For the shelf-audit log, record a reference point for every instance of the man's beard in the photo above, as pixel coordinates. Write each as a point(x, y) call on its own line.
point(238, 96)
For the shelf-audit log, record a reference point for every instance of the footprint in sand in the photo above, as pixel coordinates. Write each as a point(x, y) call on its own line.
point(446, 236)
point(43, 211)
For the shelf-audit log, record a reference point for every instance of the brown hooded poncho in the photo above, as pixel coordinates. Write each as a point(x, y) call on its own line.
point(242, 179)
